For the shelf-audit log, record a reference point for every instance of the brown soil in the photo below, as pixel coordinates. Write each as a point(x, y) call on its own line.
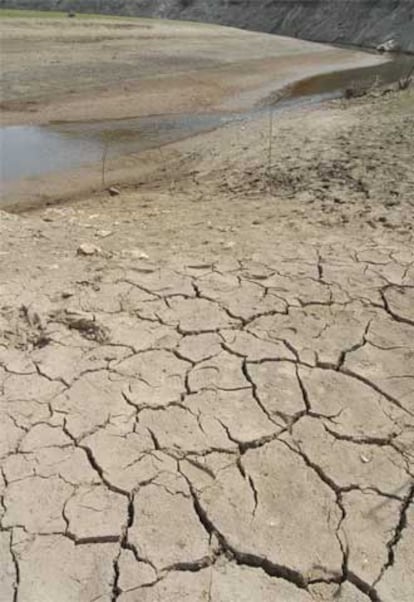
point(180, 361)
point(54, 70)
point(345, 166)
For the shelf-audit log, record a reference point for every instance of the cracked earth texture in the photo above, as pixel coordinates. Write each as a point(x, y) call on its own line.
point(241, 430)
point(221, 425)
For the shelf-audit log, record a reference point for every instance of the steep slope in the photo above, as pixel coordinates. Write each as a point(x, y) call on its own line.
point(361, 22)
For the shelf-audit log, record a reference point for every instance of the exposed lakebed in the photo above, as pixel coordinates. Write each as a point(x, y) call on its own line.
point(30, 151)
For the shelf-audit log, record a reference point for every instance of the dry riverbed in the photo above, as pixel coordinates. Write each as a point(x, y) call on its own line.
point(207, 379)
point(78, 70)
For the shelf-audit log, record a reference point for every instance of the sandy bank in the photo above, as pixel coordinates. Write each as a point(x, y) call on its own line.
point(68, 70)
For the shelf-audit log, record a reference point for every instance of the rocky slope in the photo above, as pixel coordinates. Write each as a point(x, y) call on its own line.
point(361, 22)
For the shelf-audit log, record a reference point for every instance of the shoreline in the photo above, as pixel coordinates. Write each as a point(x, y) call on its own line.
point(103, 105)
point(63, 186)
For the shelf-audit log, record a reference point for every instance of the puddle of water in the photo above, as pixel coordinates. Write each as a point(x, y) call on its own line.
point(27, 151)
point(32, 150)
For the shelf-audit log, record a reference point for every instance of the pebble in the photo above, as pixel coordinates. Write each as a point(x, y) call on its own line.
point(113, 191)
point(87, 248)
point(135, 253)
point(104, 233)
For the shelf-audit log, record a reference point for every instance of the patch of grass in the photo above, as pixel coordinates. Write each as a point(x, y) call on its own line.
point(50, 14)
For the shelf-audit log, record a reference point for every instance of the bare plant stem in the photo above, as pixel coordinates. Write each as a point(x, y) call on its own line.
point(104, 156)
point(171, 179)
point(270, 149)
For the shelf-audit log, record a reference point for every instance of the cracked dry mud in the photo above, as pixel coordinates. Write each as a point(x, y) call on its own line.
point(212, 424)
point(213, 433)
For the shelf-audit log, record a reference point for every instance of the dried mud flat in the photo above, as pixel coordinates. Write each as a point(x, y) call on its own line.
point(208, 380)
point(217, 404)
point(91, 69)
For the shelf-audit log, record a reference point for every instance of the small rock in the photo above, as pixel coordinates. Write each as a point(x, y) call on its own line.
point(104, 233)
point(87, 248)
point(388, 46)
point(67, 294)
point(135, 253)
point(113, 191)
point(229, 245)
point(365, 459)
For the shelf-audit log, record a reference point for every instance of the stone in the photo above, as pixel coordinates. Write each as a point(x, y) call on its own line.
point(104, 233)
point(135, 254)
point(114, 191)
point(88, 249)
point(388, 46)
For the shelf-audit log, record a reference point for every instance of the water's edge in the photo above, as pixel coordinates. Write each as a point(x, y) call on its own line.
point(32, 151)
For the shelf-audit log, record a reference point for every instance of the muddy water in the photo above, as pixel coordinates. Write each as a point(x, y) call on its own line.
point(28, 151)
point(334, 84)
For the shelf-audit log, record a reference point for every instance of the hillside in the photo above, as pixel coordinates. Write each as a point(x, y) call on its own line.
point(361, 22)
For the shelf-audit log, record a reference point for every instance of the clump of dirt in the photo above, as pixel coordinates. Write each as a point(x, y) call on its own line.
point(86, 326)
point(22, 328)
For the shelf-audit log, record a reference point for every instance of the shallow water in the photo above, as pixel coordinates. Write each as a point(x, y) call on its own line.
point(28, 151)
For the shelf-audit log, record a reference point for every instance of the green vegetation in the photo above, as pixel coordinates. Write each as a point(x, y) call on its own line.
point(49, 14)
